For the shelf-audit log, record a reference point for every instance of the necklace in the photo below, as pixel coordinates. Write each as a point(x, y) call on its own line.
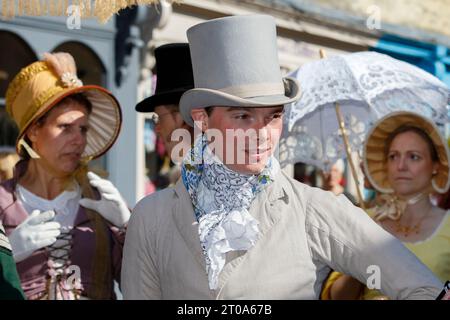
point(408, 230)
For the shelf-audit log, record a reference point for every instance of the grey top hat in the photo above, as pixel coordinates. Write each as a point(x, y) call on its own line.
point(235, 63)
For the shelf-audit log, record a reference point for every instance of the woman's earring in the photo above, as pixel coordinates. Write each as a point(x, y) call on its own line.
point(435, 186)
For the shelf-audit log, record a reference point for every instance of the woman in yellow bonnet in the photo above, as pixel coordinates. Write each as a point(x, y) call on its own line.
point(406, 160)
point(65, 225)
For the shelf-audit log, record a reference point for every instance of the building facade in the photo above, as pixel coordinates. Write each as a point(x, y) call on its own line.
point(94, 47)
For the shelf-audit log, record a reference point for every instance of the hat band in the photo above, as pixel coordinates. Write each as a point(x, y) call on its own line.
point(37, 104)
point(255, 90)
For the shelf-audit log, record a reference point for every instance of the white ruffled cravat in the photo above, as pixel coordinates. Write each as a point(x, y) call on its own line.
point(237, 230)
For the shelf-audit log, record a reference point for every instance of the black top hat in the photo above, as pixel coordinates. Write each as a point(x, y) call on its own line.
point(174, 76)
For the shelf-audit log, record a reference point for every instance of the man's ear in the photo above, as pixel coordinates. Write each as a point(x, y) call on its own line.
point(200, 118)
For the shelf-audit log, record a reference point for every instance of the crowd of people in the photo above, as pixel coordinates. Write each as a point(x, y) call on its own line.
point(67, 233)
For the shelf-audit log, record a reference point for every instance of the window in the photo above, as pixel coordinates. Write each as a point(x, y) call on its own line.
point(18, 55)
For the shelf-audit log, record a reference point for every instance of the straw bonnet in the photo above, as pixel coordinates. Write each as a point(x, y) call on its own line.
point(235, 64)
point(374, 149)
point(42, 85)
point(174, 76)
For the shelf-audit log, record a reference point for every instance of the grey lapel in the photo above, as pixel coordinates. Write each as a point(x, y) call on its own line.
point(185, 221)
point(266, 208)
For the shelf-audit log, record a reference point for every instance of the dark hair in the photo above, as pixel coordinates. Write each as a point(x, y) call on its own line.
point(81, 99)
point(420, 132)
point(76, 97)
point(209, 110)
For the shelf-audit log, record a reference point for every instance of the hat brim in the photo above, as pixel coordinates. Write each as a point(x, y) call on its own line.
point(203, 97)
point(105, 119)
point(164, 98)
point(374, 150)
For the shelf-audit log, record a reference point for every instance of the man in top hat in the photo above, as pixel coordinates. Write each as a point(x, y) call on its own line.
point(174, 77)
point(235, 226)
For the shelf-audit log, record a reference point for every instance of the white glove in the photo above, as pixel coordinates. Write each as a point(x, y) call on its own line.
point(111, 206)
point(34, 233)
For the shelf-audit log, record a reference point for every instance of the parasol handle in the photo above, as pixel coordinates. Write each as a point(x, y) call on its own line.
point(349, 153)
point(348, 150)
point(322, 53)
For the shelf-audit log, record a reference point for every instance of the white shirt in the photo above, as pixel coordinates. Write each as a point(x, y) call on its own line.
point(65, 205)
